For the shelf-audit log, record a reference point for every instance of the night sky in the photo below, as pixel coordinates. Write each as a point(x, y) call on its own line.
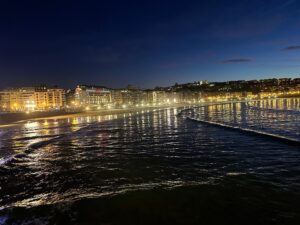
point(147, 43)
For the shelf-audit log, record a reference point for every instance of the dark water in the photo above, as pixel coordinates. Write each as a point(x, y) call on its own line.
point(151, 168)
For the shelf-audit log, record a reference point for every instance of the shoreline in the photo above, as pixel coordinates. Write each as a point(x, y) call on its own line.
point(13, 119)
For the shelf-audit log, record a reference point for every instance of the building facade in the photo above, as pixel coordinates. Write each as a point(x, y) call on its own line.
point(91, 96)
point(32, 99)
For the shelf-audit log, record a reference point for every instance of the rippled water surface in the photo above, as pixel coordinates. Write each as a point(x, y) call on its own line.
point(154, 167)
point(278, 117)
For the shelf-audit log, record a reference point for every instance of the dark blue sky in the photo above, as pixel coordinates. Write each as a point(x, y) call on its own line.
point(147, 43)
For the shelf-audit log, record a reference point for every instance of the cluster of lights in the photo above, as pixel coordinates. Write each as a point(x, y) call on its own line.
point(31, 106)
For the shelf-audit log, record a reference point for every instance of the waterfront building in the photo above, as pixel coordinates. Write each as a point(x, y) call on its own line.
point(32, 99)
point(157, 97)
point(129, 98)
point(56, 98)
point(17, 99)
point(92, 96)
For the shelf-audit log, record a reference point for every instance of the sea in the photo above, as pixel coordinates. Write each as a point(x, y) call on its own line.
point(222, 163)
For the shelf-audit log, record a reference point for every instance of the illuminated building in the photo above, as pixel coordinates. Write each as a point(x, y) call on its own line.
point(99, 97)
point(157, 96)
point(129, 97)
point(32, 99)
point(18, 99)
point(89, 96)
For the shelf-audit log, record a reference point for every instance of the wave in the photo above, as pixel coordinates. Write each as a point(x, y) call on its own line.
point(280, 138)
point(50, 139)
point(44, 143)
point(5, 160)
point(34, 137)
point(39, 144)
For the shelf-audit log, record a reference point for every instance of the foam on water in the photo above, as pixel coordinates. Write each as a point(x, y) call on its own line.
point(281, 123)
point(143, 153)
point(250, 131)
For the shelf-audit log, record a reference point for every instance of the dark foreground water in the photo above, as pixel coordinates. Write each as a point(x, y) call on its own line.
point(153, 168)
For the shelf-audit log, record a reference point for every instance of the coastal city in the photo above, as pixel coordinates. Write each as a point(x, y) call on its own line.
point(150, 112)
point(94, 97)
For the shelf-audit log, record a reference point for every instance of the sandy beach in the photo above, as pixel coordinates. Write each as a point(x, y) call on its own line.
point(9, 119)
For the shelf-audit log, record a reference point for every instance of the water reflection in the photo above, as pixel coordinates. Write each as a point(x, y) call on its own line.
point(19, 138)
point(274, 116)
point(279, 104)
point(103, 155)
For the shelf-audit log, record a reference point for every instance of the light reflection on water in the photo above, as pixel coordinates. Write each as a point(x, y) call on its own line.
point(16, 139)
point(282, 104)
point(96, 155)
point(278, 117)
